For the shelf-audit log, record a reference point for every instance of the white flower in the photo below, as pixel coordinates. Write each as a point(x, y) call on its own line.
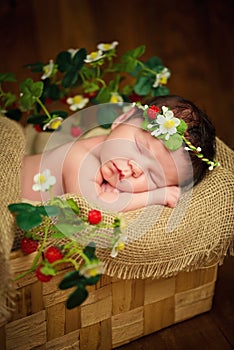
point(162, 77)
point(91, 270)
point(43, 181)
point(107, 47)
point(115, 97)
point(94, 56)
point(48, 70)
point(119, 245)
point(53, 124)
point(73, 52)
point(198, 149)
point(167, 123)
point(77, 102)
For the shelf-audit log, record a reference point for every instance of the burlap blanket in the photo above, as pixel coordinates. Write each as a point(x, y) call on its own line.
point(12, 144)
point(161, 241)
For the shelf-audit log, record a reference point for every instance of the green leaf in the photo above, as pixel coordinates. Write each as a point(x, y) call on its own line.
point(182, 127)
point(63, 60)
point(26, 102)
point(89, 251)
point(127, 89)
point(62, 114)
point(27, 221)
point(69, 229)
point(68, 216)
point(106, 114)
point(90, 86)
point(35, 67)
point(56, 234)
point(130, 64)
point(160, 91)
point(48, 270)
point(78, 59)
point(27, 215)
point(37, 89)
point(53, 92)
point(71, 279)
point(37, 119)
point(56, 201)
point(30, 92)
point(77, 297)
point(9, 99)
point(143, 86)
point(10, 77)
point(135, 53)
point(70, 78)
point(175, 142)
point(73, 205)
point(48, 210)
point(104, 95)
point(129, 59)
point(92, 280)
point(144, 124)
point(21, 207)
point(154, 63)
point(28, 86)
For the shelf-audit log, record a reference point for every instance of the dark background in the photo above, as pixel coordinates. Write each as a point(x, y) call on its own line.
point(192, 37)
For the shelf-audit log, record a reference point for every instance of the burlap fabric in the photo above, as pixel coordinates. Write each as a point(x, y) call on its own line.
point(12, 142)
point(161, 241)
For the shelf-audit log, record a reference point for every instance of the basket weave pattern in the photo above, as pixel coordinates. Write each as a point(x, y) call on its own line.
point(116, 311)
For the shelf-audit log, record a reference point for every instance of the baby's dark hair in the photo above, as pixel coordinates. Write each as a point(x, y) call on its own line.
point(200, 131)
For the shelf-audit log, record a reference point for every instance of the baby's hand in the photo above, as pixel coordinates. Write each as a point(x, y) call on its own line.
point(172, 196)
point(106, 187)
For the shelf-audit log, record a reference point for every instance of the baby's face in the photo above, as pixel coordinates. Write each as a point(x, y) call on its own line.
point(132, 160)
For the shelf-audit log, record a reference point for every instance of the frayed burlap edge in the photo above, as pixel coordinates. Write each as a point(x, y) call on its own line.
point(169, 269)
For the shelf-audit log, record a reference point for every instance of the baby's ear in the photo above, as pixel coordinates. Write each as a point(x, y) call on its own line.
point(123, 117)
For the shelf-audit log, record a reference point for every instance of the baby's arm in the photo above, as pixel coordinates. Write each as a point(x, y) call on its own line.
point(112, 199)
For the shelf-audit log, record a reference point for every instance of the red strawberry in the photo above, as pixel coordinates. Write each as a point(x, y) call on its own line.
point(41, 277)
point(38, 128)
point(52, 254)
point(94, 217)
point(135, 97)
point(28, 245)
point(152, 111)
point(75, 130)
point(90, 94)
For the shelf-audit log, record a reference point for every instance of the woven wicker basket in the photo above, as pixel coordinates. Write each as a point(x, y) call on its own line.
point(116, 311)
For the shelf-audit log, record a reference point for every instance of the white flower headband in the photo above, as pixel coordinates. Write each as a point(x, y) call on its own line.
point(163, 125)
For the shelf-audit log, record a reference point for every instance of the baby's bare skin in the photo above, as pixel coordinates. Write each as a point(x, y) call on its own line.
point(126, 170)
